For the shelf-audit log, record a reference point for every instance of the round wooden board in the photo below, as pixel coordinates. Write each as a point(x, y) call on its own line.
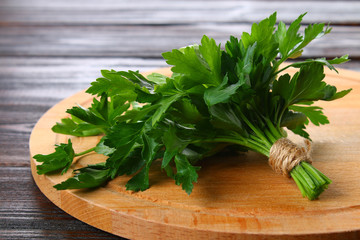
point(236, 197)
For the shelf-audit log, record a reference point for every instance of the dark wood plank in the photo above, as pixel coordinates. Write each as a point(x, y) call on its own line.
point(172, 12)
point(25, 213)
point(147, 41)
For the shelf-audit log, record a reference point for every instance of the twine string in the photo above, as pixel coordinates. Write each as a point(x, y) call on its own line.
point(285, 155)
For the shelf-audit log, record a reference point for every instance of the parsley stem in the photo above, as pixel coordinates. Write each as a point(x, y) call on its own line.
point(251, 144)
point(309, 180)
point(279, 71)
point(276, 132)
point(84, 152)
point(259, 141)
point(260, 147)
point(255, 130)
point(270, 136)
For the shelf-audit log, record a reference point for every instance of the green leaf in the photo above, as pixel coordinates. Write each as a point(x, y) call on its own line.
point(100, 108)
point(201, 63)
point(96, 119)
point(170, 87)
point(233, 48)
point(101, 148)
point(140, 181)
point(322, 61)
point(173, 146)
point(339, 94)
point(185, 111)
point(293, 119)
point(109, 110)
point(68, 126)
point(305, 85)
point(169, 171)
point(132, 163)
point(150, 148)
point(123, 133)
point(312, 32)
point(315, 114)
point(211, 53)
point(186, 174)
point(283, 87)
point(138, 114)
point(113, 83)
point(225, 117)
point(117, 111)
point(262, 34)
point(163, 105)
point(123, 137)
point(87, 115)
point(157, 78)
point(245, 66)
point(61, 159)
point(221, 93)
point(342, 59)
point(88, 177)
point(299, 130)
point(188, 63)
point(139, 80)
point(288, 39)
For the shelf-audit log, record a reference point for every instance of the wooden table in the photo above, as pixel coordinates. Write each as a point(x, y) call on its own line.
point(50, 50)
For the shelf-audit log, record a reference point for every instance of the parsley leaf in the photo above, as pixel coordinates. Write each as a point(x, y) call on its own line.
point(313, 113)
point(200, 63)
point(88, 177)
point(221, 93)
point(140, 181)
point(70, 126)
point(186, 173)
point(61, 159)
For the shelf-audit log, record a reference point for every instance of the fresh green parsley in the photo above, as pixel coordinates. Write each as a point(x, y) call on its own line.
point(216, 98)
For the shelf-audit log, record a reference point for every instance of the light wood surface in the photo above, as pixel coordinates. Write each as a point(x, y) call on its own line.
point(236, 197)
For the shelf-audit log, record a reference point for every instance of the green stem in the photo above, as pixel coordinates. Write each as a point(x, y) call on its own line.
point(255, 130)
point(294, 174)
point(275, 131)
point(270, 136)
point(259, 141)
point(260, 148)
point(310, 181)
point(279, 71)
point(281, 115)
point(251, 144)
point(84, 152)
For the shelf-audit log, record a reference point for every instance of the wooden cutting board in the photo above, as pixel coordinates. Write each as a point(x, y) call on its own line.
point(236, 197)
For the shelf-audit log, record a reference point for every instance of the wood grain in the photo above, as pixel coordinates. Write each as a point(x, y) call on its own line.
point(26, 214)
point(129, 41)
point(237, 197)
point(161, 12)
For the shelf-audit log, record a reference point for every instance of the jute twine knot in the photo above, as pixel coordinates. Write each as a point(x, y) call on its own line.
point(285, 155)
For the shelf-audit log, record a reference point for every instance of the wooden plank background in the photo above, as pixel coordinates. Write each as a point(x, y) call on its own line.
point(50, 50)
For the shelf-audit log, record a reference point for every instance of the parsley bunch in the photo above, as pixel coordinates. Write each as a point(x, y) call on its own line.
point(237, 98)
